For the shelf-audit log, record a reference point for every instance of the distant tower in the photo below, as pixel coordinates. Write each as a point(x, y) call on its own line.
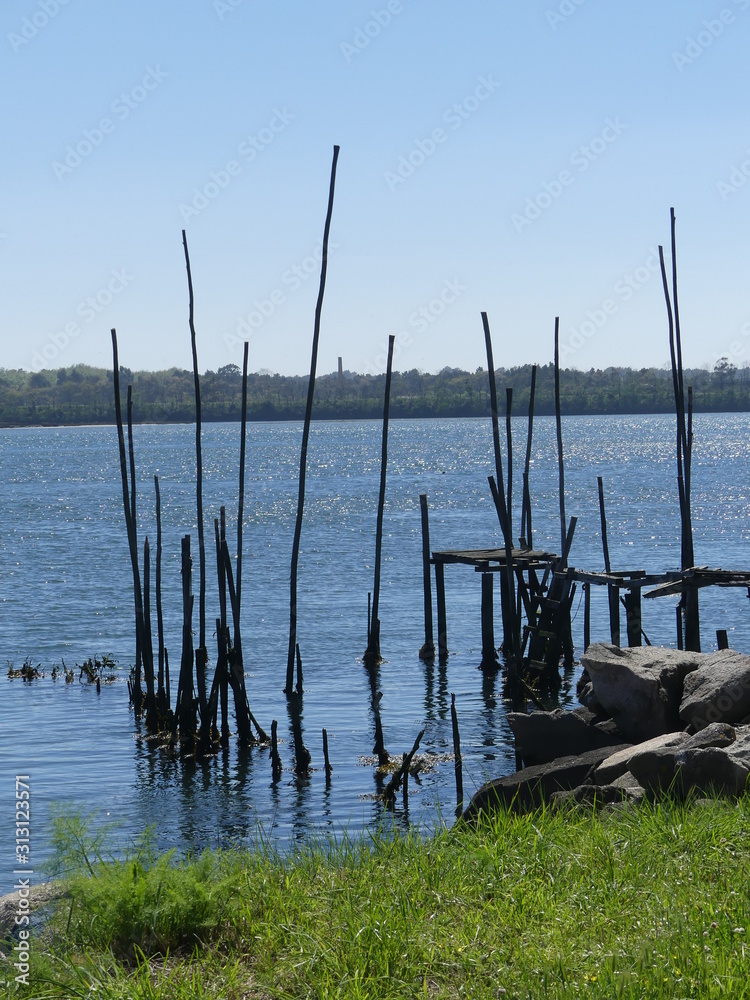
point(341, 373)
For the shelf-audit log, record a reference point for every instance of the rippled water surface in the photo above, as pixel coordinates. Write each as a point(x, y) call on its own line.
point(66, 594)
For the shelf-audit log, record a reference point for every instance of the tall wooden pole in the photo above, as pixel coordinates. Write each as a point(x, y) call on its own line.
point(291, 653)
point(509, 609)
point(372, 653)
point(558, 424)
point(427, 652)
point(241, 503)
point(526, 505)
point(201, 653)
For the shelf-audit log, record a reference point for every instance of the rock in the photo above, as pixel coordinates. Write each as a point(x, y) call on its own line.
point(528, 788)
point(599, 795)
point(40, 895)
point(544, 736)
point(619, 763)
point(713, 760)
point(718, 691)
point(640, 686)
point(710, 769)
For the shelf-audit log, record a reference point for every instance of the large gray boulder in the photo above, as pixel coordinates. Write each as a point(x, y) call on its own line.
point(640, 686)
point(530, 787)
point(718, 691)
point(545, 736)
point(711, 761)
point(619, 763)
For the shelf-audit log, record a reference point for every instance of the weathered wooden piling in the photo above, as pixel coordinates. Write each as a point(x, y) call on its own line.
point(276, 767)
point(372, 653)
point(509, 445)
point(586, 616)
point(441, 615)
point(290, 662)
point(185, 711)
point(633, 616)
point(613, 592)
point(526, 531)
point(326, 760)
point(241, 500)
point(162, 696)
point(511, 626)
point(137, 694)
point(489, 651)
point(457, 759)
point(427, 652)
point(558, 428)
point(201, 653)
point(722, 639)
point(684, 443)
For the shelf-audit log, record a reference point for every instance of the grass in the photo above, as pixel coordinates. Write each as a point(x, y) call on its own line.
point(652, 901)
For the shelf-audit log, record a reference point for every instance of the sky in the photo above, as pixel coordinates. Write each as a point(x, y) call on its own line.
point(517, 158)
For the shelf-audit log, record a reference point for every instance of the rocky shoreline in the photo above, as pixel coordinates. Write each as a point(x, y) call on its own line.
point(652, 721)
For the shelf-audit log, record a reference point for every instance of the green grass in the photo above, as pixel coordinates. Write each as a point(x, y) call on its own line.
point(646, 902)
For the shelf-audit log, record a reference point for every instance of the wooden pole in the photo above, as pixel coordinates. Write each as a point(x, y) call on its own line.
point(134, 528)
point(290, 662)
point(509, 439)
point(327, 762)
point(722, 639)
point(526, 503)
point(633, 616)
point(441, 616)
point(241, 502)
point(427, 652)
point(489, 653)
point(586, 616)
point(132, 544)
point(372, 653)
point(201, 653)
point(276, 767)
point(513, 629)
point(185, 715)
point(162, 696)
point(558, 424)
point(613, 592)
point(457, 760)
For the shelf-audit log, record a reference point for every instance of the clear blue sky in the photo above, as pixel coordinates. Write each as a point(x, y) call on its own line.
point(540, 146)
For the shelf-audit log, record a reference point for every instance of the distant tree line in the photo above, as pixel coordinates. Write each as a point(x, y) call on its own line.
point(84, 395)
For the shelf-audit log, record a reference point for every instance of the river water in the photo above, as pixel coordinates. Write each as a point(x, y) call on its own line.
point(66, 595)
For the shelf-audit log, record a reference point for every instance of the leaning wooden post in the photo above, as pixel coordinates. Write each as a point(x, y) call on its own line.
point(132, 544)
point(134, 525)
point(489, 652)
point(326, 759)
point(513, 629)
point(427, 652)
point(201, 653)
point(290, 661)
point(441, 615)
point(558, 425)
point(684, 444)
point(372, 653)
